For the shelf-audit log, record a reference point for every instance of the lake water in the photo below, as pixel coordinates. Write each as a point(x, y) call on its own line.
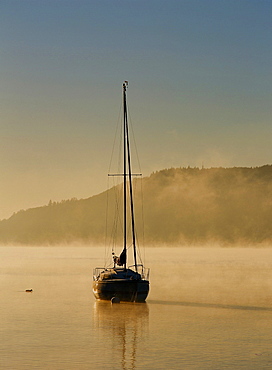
point(208, 308)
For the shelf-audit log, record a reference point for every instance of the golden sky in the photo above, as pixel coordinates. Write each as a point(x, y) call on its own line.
point(200, 90)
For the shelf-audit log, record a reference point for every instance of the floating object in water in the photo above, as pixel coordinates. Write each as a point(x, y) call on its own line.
point(29, 290)
point(115, 300)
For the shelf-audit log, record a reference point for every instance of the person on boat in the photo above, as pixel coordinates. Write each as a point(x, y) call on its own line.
point(121, 260)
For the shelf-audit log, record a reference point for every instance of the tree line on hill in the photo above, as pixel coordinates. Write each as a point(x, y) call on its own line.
point(184, 206)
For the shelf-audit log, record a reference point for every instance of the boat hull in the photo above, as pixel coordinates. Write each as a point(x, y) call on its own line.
point(125, 289)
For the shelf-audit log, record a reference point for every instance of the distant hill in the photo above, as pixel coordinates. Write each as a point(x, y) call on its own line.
point(181, 206)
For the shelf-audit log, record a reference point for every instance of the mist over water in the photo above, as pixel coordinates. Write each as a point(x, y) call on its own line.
point(208, 308)
point(226, 276)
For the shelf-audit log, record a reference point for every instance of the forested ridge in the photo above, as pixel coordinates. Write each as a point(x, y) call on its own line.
point(185, 206)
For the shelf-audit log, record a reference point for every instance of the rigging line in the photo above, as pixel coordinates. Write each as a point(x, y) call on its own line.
point(117, 216)
point(118, 207)
point(106, 223)
point(115, 136)
point(116, 223)
point(114, 231)
point(116, 187)
point(119, 161)
point(134, 140)
point(118, 124)
point(108, 233)
point(143, 220)
point(135, 182)
point(138, 161)
point(131, 190)
point(135, 191)
point(111, 237)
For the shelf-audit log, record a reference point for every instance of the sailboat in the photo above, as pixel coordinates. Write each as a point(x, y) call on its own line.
point(121, 282)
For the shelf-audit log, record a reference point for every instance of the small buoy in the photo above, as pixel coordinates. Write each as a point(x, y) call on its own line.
point(115, 300)
point(29, 290)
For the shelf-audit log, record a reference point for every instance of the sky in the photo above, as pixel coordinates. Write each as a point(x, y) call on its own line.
point(200, 89)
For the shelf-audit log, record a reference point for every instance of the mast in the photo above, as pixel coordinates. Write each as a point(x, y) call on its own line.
point(125, 171)
point(122, 259)
point(127, 160)
point(131, 202)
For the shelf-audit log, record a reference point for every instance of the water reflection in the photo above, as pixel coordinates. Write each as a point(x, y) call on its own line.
point(122, 329)
point(211, 305)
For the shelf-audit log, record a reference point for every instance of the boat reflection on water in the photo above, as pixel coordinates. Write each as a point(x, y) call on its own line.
point(122, 329)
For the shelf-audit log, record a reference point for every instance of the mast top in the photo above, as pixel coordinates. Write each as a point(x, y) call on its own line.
point(125, 85)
